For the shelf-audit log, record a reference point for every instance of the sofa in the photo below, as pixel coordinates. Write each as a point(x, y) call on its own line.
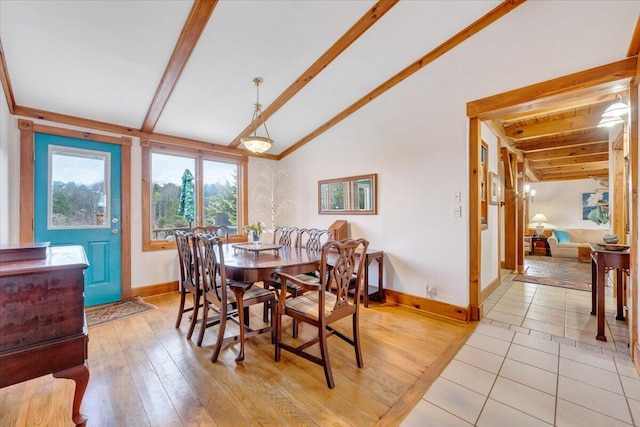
point(564, 243)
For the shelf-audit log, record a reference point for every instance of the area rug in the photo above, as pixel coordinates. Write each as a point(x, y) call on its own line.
point(562, 283)
point(116, 311)
point(552, 271)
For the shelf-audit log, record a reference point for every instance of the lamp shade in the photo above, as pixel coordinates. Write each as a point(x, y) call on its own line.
point(539, 218)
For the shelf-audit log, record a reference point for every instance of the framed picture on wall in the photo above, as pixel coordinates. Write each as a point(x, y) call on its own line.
point(494, 189)
point(595, 207)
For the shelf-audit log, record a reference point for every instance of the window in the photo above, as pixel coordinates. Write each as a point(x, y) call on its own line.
point(78, 200)
point(219, 191)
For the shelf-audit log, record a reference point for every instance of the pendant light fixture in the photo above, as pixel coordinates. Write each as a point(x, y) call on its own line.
point(254, 143)
point(614, 114)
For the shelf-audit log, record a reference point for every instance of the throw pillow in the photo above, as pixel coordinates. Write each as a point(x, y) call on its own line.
point(562, 236)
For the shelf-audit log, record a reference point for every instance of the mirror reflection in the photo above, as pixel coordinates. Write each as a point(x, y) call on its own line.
point(350, 195)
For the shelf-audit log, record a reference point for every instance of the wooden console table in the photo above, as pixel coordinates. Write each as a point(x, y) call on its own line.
point(602, 261)
point(42, 318)
point(373, 254)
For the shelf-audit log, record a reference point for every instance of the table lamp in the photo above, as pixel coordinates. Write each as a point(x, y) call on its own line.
point(539, 218)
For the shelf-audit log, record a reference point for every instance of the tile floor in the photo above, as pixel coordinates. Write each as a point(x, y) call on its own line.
point(534, 361)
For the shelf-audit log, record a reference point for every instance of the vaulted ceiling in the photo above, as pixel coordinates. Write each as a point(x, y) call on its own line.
point(181, 71)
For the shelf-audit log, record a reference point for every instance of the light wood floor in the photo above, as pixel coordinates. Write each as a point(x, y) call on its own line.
point(145, 373)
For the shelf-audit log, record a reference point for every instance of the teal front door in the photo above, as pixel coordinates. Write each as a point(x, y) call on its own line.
point(77, 202)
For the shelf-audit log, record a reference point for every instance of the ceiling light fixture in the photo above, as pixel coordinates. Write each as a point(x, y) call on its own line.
point(255, 143)
point(613, 115)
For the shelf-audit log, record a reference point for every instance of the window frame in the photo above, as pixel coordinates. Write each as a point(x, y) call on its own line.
point(200, 154)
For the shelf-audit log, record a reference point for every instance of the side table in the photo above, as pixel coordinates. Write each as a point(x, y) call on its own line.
point(542, 239)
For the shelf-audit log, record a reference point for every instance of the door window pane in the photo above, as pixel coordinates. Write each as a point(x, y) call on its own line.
point(220, 194)
point(166, 177)
point(78, 188)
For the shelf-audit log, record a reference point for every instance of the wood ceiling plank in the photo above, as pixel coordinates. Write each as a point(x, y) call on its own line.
point(573, 168)
point(569, 160)
point(541, 95)
point(579, 150)
point(6, 82)
point(592, 136)
point(194, 26)
point(359, 28)
point(498, 12)
point(575, 175)
point(597, 96)
point(587, 121)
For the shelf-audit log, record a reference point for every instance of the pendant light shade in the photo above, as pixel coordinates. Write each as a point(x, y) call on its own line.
point(614, 114)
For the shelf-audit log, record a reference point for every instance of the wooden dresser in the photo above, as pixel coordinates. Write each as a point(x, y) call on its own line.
point(42, 322)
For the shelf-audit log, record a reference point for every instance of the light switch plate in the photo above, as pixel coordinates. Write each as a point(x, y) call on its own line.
point(456, 197)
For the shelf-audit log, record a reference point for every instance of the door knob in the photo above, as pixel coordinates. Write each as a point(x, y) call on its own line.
point(115, 231)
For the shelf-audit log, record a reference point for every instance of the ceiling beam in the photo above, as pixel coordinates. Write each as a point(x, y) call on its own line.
point(6, 82)
point(590, 137)
point(359, 28)
point(191, 32)
point(498, 12)
point(545, 94)
point(579, 150)
point(538, 164)
point(570, 124)
point(124, 130)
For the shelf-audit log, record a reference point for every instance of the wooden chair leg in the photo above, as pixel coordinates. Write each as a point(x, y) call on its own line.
point(324, 354)
point(205, 320)
point(272, 304)
point(356, 341)
point(180, 308)
point(265, 309)
point(278, 321)
point(294, 332)
point(221, 327)
point(194, 315)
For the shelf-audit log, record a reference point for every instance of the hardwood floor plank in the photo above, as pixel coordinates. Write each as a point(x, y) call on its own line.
point(144, 372)
point(155, 401)
point(10, 400)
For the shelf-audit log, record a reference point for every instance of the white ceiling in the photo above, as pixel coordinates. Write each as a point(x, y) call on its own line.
point(104, 60)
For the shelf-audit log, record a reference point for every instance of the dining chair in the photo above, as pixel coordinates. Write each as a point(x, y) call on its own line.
point(217, 295)
point(285, 237)
point(325, 301)
point(312, 238)
point(189, 279)
point(217, 230)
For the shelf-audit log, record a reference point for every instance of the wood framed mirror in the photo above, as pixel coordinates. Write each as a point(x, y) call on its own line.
point(350, 195)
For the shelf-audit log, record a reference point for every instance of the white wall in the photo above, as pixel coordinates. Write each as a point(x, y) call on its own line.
point(4, 168)
point(490, 256)
point(9, 175)
point(561, 203)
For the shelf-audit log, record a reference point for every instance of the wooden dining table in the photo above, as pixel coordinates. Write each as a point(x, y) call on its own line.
point(248, 263)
